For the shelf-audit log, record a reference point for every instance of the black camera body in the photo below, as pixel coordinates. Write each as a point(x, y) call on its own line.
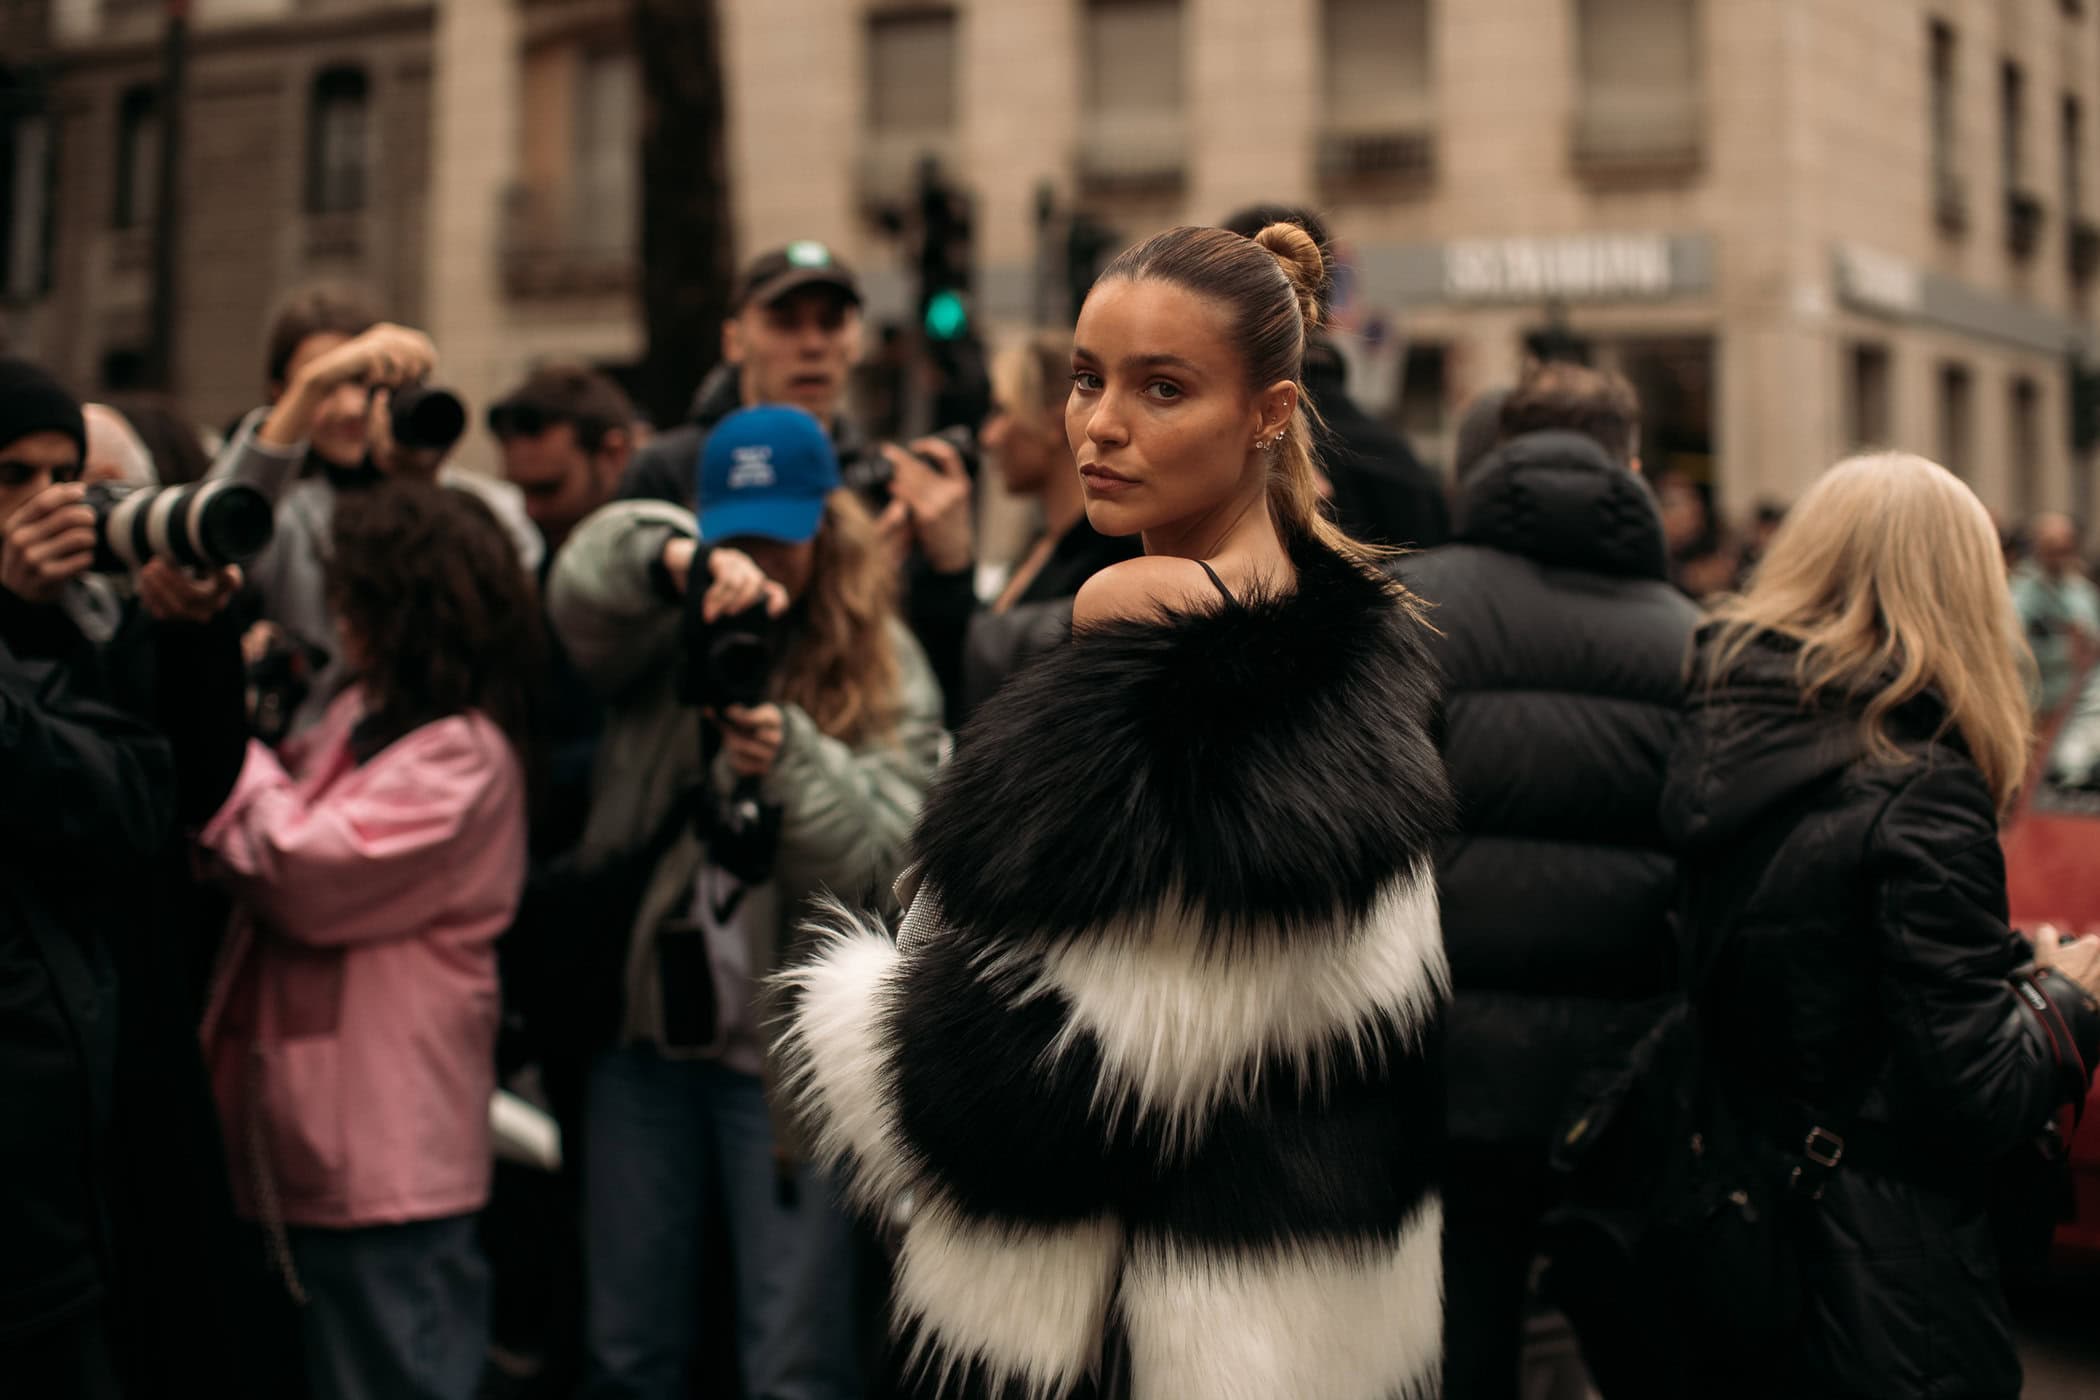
point(870, 474)
point(206, 525)
point(425, 419)
point(726, 662)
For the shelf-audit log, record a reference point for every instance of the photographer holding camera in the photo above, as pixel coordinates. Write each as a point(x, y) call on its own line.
point(117, 733)
point(793, 337)
point(348, 408)
point(761, 757)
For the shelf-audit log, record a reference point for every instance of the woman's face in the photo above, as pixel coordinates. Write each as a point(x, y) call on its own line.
point(788, 565)
point(1027, 446)
point(1161, 421)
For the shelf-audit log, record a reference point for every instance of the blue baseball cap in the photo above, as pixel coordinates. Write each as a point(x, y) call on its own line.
point(765, 472)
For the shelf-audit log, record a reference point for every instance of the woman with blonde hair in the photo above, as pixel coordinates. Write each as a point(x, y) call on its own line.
point(752, 761)
point(1864, 1012)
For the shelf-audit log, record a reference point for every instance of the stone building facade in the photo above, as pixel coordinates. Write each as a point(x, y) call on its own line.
point(1799, 226)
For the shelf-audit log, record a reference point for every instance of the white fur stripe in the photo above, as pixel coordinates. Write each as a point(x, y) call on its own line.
point(834, 1061)
point(1184, 1025)
point(1025, 1304)
point(1313, 1322)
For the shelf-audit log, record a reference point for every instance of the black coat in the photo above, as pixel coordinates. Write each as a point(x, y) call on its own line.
point(1855, 914)
point(1563, 649)
point(1382, 493)
point(1153, 1051)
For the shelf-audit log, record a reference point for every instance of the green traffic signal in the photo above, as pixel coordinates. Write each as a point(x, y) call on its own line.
point(946, 315)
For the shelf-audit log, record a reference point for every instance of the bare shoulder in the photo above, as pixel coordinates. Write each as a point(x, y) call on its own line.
point(1143, 588)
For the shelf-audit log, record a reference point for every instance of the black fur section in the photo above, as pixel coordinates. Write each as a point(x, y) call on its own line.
point(1272, 761)
point(1014, 1135)
point(1347, 1165)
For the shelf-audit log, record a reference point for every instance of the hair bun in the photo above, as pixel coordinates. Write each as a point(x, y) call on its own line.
point(1299, 253)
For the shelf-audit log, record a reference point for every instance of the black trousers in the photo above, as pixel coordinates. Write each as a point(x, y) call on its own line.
point(72, 1361)
point(1494, 1197)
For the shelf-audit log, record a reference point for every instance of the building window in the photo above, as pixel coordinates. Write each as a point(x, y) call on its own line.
point(138, 158)
point(2026, 445)
point(2073, 151)
point(2012, 123)
point(26, 173)
point(608, 153)
point(911, 72)
point(1957, 420)
point(336, 151)
point(1378, 89)
point(1950, 200)
point(1869, 417)
point(1132, 138)
point(1639, 72)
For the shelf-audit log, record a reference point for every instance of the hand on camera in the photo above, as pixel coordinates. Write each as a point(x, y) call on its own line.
point(751, 737)
point(171, 594)
point(933, 500)
point(48, 542)
point(738, 583)
point(386, 354)
point(2078, 959)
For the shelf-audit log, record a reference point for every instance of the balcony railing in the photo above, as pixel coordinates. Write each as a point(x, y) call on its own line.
point(1638, 137)
point(1133, 155)
point(1398, 160)
point(564, 246)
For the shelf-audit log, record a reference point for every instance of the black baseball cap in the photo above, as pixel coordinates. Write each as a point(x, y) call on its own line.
point(804, 263)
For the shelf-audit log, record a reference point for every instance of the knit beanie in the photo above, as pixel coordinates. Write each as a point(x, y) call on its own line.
point(31, 401)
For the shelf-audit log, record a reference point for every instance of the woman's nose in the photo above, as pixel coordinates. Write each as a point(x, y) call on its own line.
point(1105, 425)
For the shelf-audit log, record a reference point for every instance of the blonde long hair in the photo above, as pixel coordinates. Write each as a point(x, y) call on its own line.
point(841, 668)
point(1888, 573)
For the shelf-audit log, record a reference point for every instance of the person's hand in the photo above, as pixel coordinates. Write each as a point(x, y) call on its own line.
point(46, 543)
point(751, 737)
point(171, 594)
point(386, 354)
point(257, 641)
point(737, 583)
point(2078, 959)
point(938, 498)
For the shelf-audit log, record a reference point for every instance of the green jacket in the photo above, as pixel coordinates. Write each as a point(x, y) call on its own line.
point(846, 812)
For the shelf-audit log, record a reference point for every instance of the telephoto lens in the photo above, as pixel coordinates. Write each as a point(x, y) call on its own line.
point(426, 419)
point(207, 525)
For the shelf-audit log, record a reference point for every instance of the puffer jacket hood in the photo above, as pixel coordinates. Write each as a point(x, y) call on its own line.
point(1753, 743)
point(720, 394)
point(1556, 498)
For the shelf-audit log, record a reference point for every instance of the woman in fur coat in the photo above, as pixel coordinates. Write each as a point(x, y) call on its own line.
point(1151, 1058)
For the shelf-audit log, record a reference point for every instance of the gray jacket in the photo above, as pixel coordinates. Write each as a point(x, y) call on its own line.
point(291, 576)
point(847, 811)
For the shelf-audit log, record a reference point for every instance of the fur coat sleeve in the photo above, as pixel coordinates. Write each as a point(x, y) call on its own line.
point(1152, 1057)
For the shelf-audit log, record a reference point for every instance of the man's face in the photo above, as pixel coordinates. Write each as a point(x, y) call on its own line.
point(561, 482)
point(796, 350)
point(30, 465)
point(2056, 544)
point(339, 424)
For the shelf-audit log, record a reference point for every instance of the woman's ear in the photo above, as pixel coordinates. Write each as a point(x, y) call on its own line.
point(1276, 404)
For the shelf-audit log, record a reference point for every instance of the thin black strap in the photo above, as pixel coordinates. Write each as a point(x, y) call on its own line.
point(1230, 601)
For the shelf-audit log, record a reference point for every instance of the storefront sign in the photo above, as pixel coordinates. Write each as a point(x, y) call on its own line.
point(1583, 268)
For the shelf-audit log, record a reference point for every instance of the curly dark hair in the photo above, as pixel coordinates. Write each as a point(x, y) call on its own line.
point(447, 618)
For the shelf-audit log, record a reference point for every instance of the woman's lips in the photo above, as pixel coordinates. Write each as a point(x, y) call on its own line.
point(1103, 482)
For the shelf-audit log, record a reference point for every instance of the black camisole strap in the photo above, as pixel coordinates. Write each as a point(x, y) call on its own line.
point(1230, 601)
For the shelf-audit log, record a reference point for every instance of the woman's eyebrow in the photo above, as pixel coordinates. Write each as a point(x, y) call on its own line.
point(1157, 360)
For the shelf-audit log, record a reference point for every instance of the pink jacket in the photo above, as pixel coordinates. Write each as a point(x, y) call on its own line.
point(351, 1030)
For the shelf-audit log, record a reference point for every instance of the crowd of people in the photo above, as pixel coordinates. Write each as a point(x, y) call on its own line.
point(1217, 951)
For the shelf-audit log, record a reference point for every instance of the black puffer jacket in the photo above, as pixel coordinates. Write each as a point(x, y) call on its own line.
point(1856, 914)
point(1563, 651)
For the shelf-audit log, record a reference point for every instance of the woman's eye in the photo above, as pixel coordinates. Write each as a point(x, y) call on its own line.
point(1163, 390)
point(1086, 379)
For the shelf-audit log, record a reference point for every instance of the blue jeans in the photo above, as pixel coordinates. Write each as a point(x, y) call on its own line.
point(662, 1135)
point(394, 1312)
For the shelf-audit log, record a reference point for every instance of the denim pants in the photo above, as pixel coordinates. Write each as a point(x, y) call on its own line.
point(663, 1135)
point(394, 1312)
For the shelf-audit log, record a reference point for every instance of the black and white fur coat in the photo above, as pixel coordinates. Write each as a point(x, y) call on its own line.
point(1152, 1054)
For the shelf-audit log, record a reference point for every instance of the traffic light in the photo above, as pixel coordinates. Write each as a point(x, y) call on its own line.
point(945, 256)
point(1086, 243)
